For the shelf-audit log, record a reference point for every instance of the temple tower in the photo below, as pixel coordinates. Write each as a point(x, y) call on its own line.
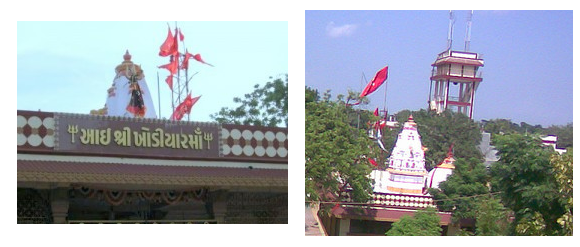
point(454, 77)
point(405, 173)
point(129, 95)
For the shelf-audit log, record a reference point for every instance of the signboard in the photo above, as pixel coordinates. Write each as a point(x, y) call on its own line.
point(138, 137)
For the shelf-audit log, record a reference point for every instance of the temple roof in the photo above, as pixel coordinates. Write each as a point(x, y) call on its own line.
point(128, 173)
point(127, 66)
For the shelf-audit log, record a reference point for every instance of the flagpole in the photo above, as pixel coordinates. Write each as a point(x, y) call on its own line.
point(158, 96)
point(385, 103)
point(178, 70)
point(172, 97)
point(186, 82)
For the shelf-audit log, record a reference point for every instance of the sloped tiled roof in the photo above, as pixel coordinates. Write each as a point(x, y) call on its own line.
point(94, 172)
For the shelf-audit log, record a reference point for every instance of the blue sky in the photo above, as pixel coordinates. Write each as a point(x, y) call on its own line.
point(528, 57)
point(68, 66)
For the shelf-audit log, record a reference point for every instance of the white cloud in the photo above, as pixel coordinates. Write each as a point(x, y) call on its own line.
point(340, 31)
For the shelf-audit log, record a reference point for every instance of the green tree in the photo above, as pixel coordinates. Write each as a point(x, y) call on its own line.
point(333, 152)
point(265, 106)
point(526, 180)
point(424, 222)
point(526, 128)
point(457, 192)
point(492, 218)
point(564, 133)
point(500, 126)
point(563, 173)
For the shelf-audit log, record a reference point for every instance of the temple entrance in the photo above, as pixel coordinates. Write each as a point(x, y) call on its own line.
point(89, 205)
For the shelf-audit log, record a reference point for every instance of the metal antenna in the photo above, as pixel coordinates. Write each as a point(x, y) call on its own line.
point(450, 32)
point(468, 31)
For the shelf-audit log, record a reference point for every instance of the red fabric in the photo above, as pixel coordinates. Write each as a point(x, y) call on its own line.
point(184, 107)
point(377, 112)
point(185, 63)
point(198, 58)
point(169, 47)
point(377, 81)
point(169, 81)
point(181, 37)
point(373, 162)
point(171, 66)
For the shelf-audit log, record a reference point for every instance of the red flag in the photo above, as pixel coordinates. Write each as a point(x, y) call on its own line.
point(171, 66)
point(198, 58)
point(184, 107)
point(169, 81)
point(373, 162)
point(169, 47)
point(185, 63)
point(180, 35)
point(377, 81)
point(377, 112)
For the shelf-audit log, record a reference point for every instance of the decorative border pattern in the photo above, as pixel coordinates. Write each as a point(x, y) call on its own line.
point(254, 142)
point(401, 201)
point(35, 130)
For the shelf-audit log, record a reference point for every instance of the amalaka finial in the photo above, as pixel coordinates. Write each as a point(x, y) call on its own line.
point(127, 56)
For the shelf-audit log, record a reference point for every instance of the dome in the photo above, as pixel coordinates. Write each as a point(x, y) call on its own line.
point(441, 171)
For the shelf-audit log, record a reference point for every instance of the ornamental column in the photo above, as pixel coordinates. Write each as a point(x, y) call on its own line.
point(219, 201)
point(59, 204)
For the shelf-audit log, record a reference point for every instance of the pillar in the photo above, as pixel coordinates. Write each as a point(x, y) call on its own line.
point(59, 204)
point(344, 227)
point(220, 205)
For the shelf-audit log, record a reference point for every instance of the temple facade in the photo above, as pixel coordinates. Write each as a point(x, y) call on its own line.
point(400, 189)
point(76, 168)
point(121, 164)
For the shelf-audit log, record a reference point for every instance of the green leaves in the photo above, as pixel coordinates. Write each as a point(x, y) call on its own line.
point(468, 179)
point(266, 106)
point(528, 183)
point(333, 152)
point(491, 217)
point(424, 222)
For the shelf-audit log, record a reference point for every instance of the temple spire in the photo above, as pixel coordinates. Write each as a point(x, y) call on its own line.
point(129, 95)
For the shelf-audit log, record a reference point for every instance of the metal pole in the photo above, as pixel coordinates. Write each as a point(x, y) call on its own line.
point(385, 101)
point(158, 96)
point(187, 86)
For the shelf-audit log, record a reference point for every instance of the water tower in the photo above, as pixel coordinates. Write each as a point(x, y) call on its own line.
point(455, 77)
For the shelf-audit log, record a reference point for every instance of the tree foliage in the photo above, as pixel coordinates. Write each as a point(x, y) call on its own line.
point(564, 133)
point(526, 179)
point(491, 217)
point(506, 126)
point(563, 172)
point(424, 222)
point(265, 106)
point(457, 193)
point(333, 152)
